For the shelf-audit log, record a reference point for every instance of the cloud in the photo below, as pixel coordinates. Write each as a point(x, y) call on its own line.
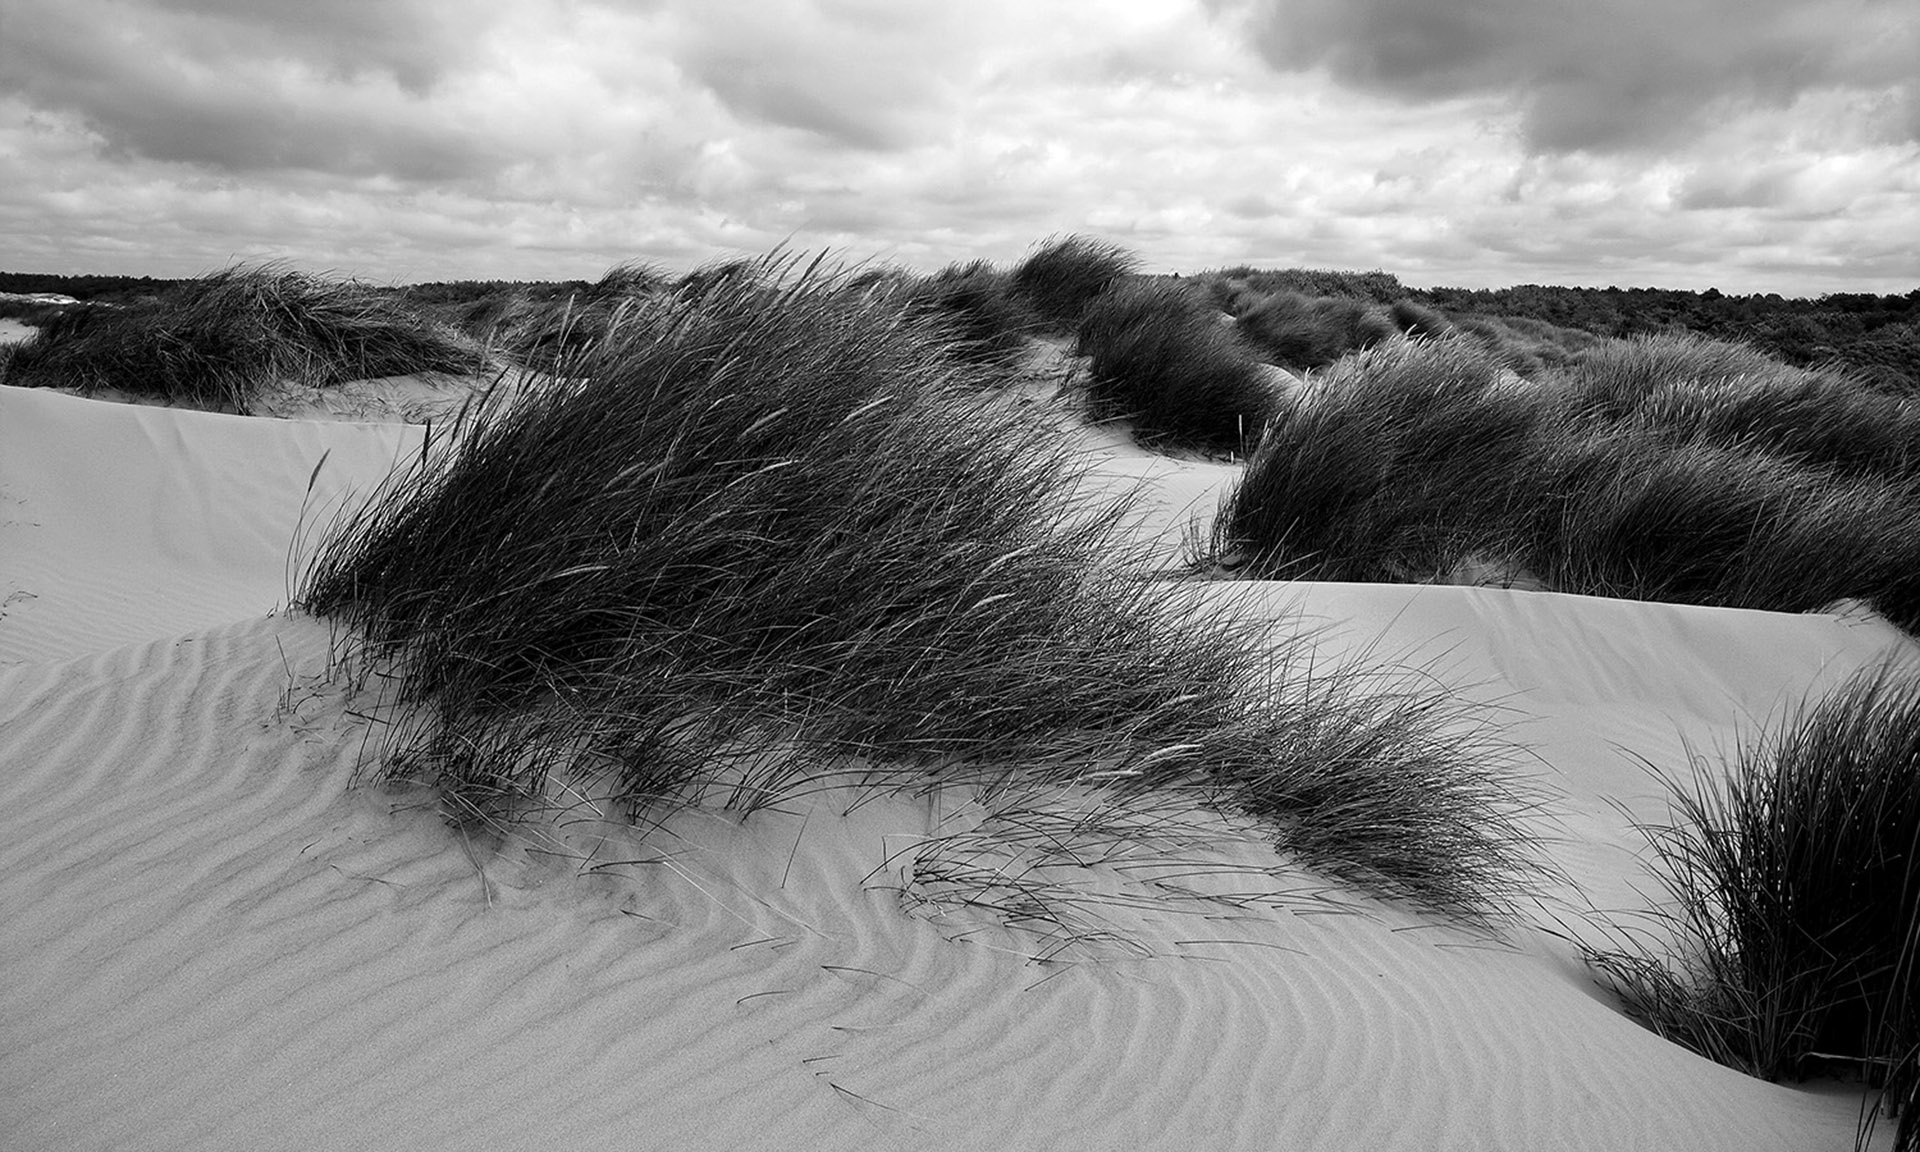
point(242, 88)
point(1476, 143)
point(1608, 76)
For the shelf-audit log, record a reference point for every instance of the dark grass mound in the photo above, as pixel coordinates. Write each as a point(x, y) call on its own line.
point(1296, 331)
point(1528, 346)
point(1690, 389)
point(1061, 277)
point(546, 332)
point(1409, 461)
point(216, 341)
point(1416, 319)
point(1794, 878)
point(1633, 516)
point(774, 534)
point(976, 310)
point(1397, 464)
point(1162, 360)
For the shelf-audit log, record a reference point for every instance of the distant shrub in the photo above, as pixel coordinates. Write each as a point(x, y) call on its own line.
point(1162, 360)
point(1375, 287)
point(1793, 931)
point(217, 340)
point(769, 536)
point(1061, 277)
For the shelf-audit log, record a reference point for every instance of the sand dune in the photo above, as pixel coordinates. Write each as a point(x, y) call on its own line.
point(216, 939)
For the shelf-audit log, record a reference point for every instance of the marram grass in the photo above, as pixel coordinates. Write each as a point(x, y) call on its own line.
point(1791, 929)
point(772, 536)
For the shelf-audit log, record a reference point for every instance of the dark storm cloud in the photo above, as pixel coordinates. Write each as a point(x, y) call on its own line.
point(242, 87)
point(1605, 75)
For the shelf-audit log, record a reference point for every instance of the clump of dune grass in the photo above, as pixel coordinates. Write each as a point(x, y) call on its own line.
point(1398, 463)
point(976, 308)
point(1635, 517)
point(1161, 359)
point(1792, 927)
point(1687, 388)
point(1416, 319)
point(218, 340)
point(1060, 277)
point(1420, 459)
point(1297, 331)
point(774, 536)
point(546, 332)
point(1528, 346)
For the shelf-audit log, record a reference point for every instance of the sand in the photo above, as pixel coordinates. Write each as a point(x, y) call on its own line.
point(215, 938)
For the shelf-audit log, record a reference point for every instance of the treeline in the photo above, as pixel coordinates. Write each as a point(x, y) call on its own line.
point(112, 289)
point(1876, 336)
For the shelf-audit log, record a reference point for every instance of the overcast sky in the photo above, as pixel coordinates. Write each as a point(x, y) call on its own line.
point(1749, 145)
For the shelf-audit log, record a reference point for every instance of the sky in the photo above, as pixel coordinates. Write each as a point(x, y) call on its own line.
point(1746, 145)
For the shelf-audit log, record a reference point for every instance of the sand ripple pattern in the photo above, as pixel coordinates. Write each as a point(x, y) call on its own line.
point(214, 942)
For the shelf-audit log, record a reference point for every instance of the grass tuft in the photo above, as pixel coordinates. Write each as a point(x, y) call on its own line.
point(1298, 331)
point(1399, 463)
point(1793, 875)
point(975, 307)
point(218, 340)
point(1060, 277)
point(1162, 360)
point(774, 536)
point(1665, 470)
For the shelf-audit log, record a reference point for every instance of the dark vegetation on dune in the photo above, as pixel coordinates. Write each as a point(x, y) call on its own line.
point(773, 533)
point(1396, 464)
point(1061, 276)
point(1160, 358)
point(975, 308)
point(1671, 469)
point(218, 340)
point(1792, 929)
point(1533, 327)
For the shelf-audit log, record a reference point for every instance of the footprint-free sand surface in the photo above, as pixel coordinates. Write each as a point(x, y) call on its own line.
point(216, 937)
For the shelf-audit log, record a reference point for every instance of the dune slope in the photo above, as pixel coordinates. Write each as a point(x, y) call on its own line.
point(216, 939)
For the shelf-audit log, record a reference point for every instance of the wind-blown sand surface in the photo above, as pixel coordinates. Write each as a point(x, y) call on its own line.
point(214, 940)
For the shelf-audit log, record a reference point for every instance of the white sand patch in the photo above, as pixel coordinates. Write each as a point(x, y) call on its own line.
point(214, 941)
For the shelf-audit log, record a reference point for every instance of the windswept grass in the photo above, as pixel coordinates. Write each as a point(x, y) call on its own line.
point(1423, 458)
point(1298, 331)
point(1162, 360)
point(1060, 277)
point(216, 341)
point(546, 333)
point(976, 309)
point(773, 536)
point(1399, 463)
point(1792, 930)
point(1690, 389)
point(1635, 517)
